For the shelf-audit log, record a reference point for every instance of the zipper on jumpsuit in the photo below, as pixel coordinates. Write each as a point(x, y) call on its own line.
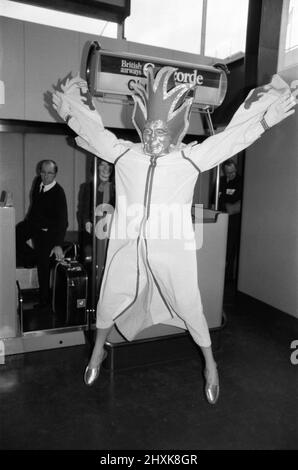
point(149, 190)
point(147, 214)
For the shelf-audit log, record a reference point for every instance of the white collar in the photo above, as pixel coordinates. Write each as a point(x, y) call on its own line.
point(47, 187)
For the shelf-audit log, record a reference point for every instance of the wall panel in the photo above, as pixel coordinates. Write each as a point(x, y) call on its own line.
point(50, 55)
point(12, 62)
point(269, 235)
point(268, 265)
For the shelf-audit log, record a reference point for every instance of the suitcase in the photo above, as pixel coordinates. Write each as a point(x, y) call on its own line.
point(70, 284)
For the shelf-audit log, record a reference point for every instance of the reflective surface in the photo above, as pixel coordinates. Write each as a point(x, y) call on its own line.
point(39, 318)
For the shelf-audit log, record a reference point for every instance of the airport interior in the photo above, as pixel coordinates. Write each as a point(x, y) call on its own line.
point(150, 393)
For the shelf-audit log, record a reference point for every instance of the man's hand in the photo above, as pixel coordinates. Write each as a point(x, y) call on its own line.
point(58, 252)
point(280, 110)
point(88, 227)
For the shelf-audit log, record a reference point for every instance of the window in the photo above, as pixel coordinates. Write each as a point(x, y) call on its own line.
point(23, 12)
point(215, 28)
point(166, 23)
point(220, 33)
point(226, 27)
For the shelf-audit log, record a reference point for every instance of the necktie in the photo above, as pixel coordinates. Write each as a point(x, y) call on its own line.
point(42, 188)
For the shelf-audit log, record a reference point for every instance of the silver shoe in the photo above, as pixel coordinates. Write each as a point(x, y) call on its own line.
point(211, 392)
point(92, 373)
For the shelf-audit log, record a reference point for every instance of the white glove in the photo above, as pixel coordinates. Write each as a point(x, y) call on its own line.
point(73, 87)
point(62, 108)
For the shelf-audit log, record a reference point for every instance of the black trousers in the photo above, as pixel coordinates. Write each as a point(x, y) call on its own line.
point(38, 256)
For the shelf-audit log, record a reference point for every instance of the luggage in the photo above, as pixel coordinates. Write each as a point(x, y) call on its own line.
point(70, 285)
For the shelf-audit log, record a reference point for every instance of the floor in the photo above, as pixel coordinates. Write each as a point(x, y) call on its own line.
point(44, 403)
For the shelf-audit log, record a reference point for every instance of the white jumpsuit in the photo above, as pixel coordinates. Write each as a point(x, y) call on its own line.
point(151, 274)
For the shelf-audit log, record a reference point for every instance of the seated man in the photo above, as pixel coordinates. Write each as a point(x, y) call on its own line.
point(45, 224)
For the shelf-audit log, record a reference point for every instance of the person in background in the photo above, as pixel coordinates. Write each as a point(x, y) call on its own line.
point(229, 201)
point(45, 224)
point(150, 280)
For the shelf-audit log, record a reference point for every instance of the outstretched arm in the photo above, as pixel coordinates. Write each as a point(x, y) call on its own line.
point(260, 111)
point(74, 105)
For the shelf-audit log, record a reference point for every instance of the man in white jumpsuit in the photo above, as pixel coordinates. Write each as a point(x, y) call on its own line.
point(151, 278)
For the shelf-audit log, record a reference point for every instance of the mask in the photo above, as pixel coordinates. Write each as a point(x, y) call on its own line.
point(156, 138)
